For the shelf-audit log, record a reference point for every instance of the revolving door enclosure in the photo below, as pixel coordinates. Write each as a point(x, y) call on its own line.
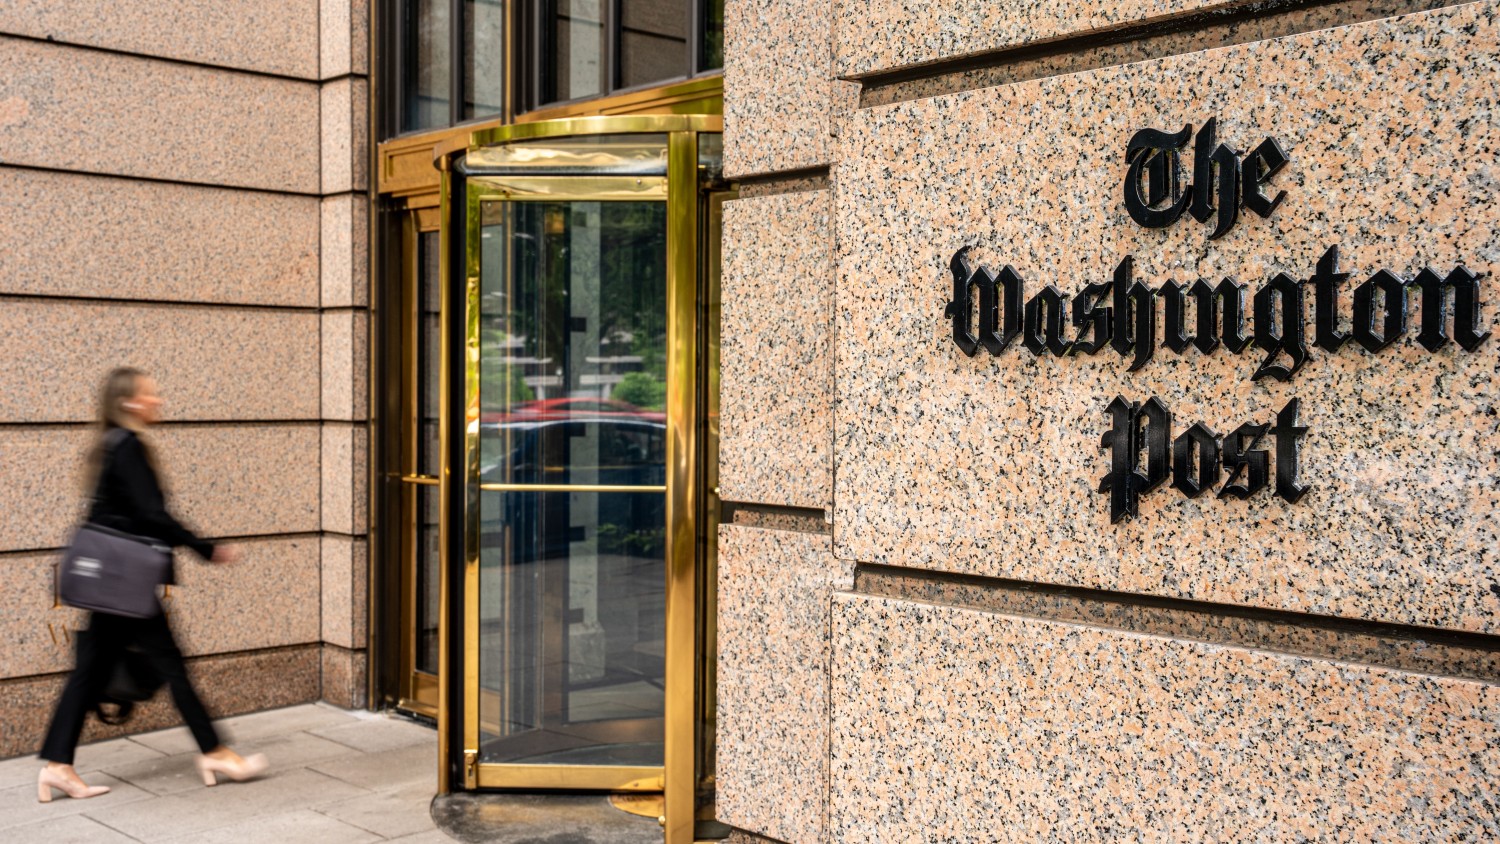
point(582, 256)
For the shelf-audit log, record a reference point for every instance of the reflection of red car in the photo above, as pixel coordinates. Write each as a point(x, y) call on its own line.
point(543, 410)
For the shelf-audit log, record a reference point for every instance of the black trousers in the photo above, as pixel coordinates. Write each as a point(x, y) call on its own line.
point(109, 636)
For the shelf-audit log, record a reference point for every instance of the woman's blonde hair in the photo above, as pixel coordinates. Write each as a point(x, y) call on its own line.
point(120, 386)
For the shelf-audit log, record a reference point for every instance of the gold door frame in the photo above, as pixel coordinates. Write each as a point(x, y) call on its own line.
point(676, 779)
point(417, 690)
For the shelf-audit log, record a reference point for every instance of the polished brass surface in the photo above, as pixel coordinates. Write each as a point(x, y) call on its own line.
point(646, 123)
point(592, 778)
point(601, 188)
point(692, 219)
point(646, 805)
point(682, 472)
point(421, 480)
point(405, 164)
point(569, 488)
point(445, 489)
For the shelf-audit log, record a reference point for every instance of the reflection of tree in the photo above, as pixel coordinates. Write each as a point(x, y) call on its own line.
point(619, 539)
point(631, 279)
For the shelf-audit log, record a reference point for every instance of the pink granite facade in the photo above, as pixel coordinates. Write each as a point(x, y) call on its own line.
point(184, 190)
point(1020, 655)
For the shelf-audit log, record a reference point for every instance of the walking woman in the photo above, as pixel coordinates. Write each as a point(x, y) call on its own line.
point(128, 497)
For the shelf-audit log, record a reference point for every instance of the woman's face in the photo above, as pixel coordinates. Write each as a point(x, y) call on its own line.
point(146, 404)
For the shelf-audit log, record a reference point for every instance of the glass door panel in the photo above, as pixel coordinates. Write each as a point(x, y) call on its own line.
point(572, 472)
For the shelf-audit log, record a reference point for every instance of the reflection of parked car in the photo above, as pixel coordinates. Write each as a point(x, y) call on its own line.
point(618, 450)
point(572, 408)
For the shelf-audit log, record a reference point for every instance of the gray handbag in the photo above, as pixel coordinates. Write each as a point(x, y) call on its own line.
point(113, 572)
point(110, 571)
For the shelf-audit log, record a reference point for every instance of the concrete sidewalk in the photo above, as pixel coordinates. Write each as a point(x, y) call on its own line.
point(336, 777)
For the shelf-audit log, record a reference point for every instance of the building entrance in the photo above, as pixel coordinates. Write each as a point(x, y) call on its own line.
point(575, 442)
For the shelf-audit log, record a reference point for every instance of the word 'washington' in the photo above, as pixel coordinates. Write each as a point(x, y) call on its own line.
point(1142, 454)
point(991, 310)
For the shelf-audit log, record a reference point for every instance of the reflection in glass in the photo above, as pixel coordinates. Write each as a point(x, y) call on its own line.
point(429, 373)
point(653, 41)
point(575, 49)
point(484, 57)
point(425, 78)
point(428, 572)
point(713, 35)
point(572, 392)
point(427, 383)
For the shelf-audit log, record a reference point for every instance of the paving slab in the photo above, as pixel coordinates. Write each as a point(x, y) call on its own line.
point(380, 734)
point(98, 756)
point(73, 829)
point(301, 825)
point(435, 836)
point(243, 729)
point(392, 814)
point(190, 812)
point(19, 806)
point(410, 766)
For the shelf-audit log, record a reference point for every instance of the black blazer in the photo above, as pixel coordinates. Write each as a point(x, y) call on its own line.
point(129, 497)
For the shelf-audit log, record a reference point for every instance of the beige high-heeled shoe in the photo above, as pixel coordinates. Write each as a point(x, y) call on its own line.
point(47, 779)
point(246, 769)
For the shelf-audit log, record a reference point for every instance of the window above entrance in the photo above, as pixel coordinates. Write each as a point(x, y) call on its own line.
point(454, 61)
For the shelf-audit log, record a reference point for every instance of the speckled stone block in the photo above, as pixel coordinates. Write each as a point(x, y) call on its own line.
point(223, 480)
point(778, 85)
point(83, 110)
point(345, 485)
point(776, 372)
point(344, 677)
point(268, 599)
point(346, 365)
point(965, 726)
point(164, 241)
point(268, 36)
point(346, 251)
point(345, 593)
point(773, 682)
point(990, 465)
point(209, 363)
point(345, 35)
point(231, 684)
point(345, 134)
point(875, 35)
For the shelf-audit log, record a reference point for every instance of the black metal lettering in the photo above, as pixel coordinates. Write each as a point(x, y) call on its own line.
point(1240, 453)
point(1289, 436)
point(1134, 316)
point(1394, 296)
point(996, 329)
point(1216, 178)
point(1041, 337)
point(1154, 154)
point(1195, 460)
point(1289, 336)
point(1260, 165)
point(1326, 280)
point(1465, 287)
point(1228, 300)
point(960, 308)
point(1174, 304)
point(1092, 319)
point(1135, 428)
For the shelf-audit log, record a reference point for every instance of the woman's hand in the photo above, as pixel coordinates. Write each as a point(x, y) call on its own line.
point(226, 554)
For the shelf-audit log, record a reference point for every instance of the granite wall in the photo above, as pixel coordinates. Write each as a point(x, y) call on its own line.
point(182, 189)
point(999, 593)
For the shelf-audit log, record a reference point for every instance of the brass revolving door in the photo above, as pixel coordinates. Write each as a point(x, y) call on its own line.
point(582, 466)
